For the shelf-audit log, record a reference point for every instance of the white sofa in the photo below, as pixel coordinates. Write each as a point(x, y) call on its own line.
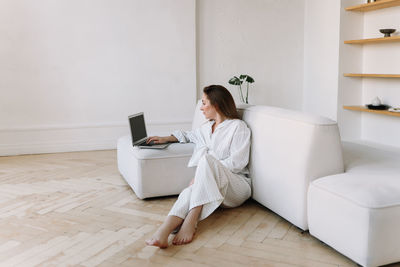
point(297, 171)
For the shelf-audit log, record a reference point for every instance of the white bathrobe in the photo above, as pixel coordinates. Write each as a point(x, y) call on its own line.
point(221, 175)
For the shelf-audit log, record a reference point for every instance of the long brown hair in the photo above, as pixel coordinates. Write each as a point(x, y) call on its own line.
point(222, 100)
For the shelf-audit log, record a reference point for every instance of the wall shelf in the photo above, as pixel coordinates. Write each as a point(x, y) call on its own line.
point(374, 5)
point(372, 75)
point(364, 109)
point(375, 40)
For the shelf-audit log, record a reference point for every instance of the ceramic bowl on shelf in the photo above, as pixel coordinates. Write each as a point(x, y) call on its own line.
point(387, 32)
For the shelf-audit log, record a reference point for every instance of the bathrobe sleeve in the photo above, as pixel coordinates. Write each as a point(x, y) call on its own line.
point(238, 159)
point(198, 138)
point(186, 136)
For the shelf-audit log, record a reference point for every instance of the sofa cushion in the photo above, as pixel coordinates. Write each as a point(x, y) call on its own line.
point(363, 159)
point(371, 178)
point(365, 190)
point(292, 115)
point(172, 151)
point(289, 150)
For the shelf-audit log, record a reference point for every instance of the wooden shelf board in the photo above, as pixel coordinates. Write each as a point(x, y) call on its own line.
point(395, 38)
point(374, 5)
point(364, 109)
point(372, 75)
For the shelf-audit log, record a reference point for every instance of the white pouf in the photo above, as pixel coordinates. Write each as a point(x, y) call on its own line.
point(153, 172)
point(358, 212)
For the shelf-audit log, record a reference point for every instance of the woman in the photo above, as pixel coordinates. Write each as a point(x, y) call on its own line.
point(221, 156)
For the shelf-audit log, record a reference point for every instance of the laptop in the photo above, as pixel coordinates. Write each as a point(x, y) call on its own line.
point(139, 134)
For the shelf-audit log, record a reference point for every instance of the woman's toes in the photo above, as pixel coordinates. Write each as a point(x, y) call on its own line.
point(183, 238)
point(157, 243)
point(176, 240)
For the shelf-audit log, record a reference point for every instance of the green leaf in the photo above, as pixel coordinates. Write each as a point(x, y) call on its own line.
point(235, 81)
point(249, 79)
point(246, 78)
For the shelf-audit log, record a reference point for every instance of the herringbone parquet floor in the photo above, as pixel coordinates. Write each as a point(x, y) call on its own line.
point(74, 209)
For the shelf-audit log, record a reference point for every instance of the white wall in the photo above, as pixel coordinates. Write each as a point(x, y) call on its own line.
point(262, 38)
point(350, 61)
point(321, 57)
point(72, 71)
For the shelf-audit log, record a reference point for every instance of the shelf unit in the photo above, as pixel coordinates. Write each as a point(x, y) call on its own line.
point(375, 40)
point(365, 8)
point(364, 109)
point(371, 75)
point(374, 5)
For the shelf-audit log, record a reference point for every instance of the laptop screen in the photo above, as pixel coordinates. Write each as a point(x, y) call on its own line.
point(138, 128)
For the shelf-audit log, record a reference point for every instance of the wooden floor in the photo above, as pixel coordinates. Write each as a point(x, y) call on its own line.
point(74, 209)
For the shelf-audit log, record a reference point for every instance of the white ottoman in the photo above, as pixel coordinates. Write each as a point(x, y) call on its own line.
point(358, 212)
point(152, 172)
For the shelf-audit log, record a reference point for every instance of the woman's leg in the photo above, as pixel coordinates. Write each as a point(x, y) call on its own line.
point(175, 218)
point(198, 201)
point(188, 228)
point(210, 185)
point(160, 237)
point(207, 193)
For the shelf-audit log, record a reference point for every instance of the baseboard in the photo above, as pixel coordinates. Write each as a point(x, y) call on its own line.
point(68, 138)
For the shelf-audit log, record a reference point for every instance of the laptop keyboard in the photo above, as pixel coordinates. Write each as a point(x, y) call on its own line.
point(153, 145)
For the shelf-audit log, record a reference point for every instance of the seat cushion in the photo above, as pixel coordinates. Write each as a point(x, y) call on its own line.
point(366, 190)
point(363, 159)
point(174, 150)
point(371, 178)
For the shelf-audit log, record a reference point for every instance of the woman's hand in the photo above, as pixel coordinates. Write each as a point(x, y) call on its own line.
point(161, 139)
point(157, 139)
point(191, 182)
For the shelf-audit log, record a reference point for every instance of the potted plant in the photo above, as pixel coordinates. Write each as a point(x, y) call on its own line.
point(239, 81)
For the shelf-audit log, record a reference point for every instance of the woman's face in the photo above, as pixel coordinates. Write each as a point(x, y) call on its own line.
point(209, 111)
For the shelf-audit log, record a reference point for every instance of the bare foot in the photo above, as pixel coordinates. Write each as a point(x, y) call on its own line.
point(185, 234)
point(188, 228)
point(159, 239)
